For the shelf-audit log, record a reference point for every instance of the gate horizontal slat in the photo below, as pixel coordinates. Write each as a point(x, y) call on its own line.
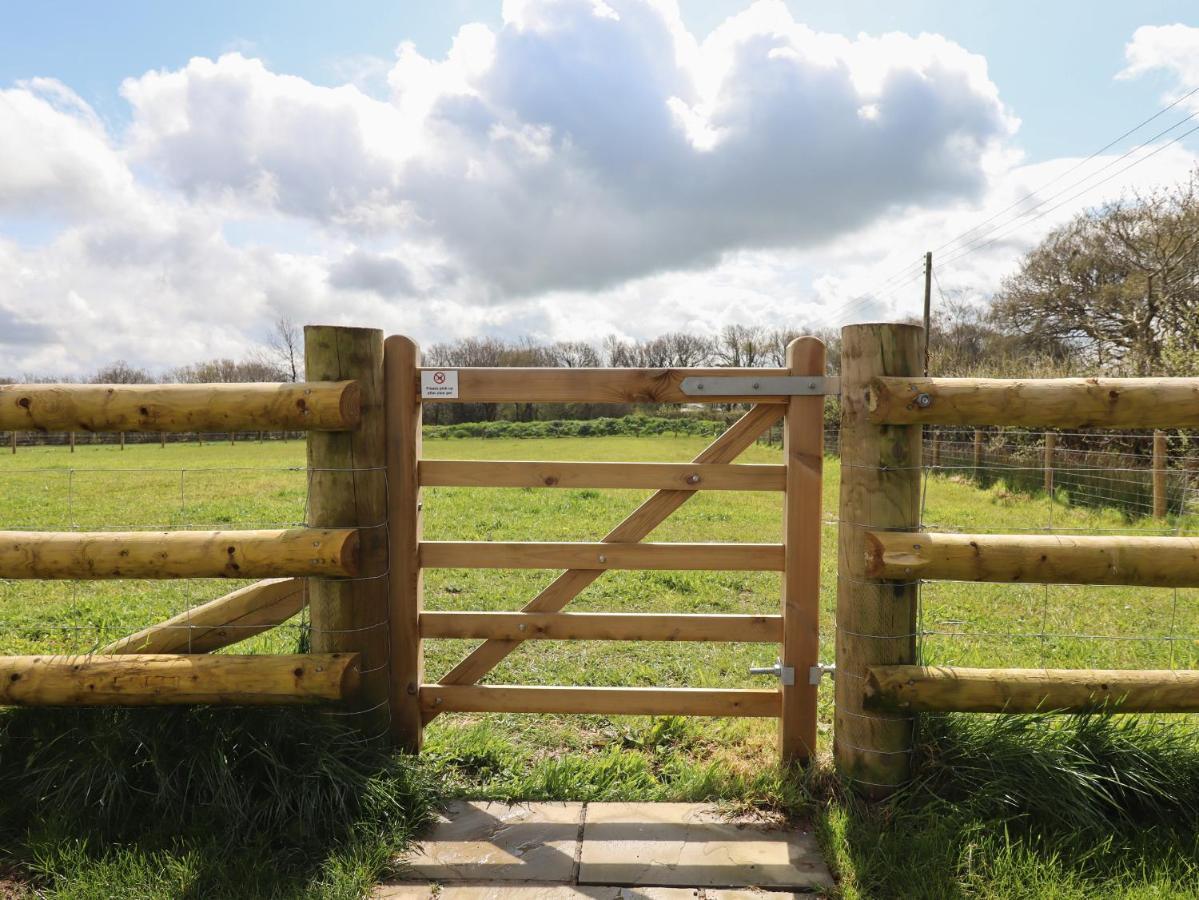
point(648, 476)
point(632, 701)
point(602, 556)
point(533, 385)
point(516, 626)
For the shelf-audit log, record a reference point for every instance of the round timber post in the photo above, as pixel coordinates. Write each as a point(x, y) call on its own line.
point(347, 487)
point(876, 620)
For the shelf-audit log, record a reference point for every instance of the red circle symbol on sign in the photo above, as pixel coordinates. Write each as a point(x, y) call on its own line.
point(439, 377)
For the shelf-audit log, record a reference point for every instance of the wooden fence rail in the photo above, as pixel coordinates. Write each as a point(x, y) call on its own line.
point(162, 679)
point(314, 406)
point(951, 689)
point(1148, 561)
point(179, 554)
point(1041, 403)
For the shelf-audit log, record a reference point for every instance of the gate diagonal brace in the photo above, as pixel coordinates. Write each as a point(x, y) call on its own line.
point(765, 386)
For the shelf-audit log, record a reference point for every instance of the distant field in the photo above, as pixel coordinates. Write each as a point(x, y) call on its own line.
point(262, 485)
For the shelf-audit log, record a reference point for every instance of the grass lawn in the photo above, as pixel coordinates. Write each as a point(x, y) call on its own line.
point(962, 831)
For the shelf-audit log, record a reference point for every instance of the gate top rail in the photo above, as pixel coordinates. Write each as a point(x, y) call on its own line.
point(1040, 402)
point(566, 385)
point(259, 406)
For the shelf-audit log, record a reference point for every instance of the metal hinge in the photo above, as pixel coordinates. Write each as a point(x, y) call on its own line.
point(785, 674)
point(764, 386)
point(818, 671)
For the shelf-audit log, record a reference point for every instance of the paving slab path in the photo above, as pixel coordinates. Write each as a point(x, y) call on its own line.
point(608, 851)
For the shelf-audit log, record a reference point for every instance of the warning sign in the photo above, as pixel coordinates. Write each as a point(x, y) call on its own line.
point(439, 384)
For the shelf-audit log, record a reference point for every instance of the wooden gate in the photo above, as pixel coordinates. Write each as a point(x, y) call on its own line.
point(796, 630)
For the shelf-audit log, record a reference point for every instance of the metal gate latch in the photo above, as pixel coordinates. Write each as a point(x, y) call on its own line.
point(785, 674)
point(818, 671)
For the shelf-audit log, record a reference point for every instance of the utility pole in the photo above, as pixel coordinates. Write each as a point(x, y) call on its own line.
point(928, 304)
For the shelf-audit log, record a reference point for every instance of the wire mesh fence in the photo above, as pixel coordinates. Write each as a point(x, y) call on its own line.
point(998, 481)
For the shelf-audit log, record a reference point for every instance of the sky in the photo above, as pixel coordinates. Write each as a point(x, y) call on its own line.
point(175, 178)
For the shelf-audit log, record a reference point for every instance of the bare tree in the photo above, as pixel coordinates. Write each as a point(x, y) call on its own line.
point(286, 345)
point(741, 345)
point(216, 371)
point(120, 372)
point(575, 355)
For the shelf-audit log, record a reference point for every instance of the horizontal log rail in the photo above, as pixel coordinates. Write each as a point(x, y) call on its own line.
point(534, 385)
point(602, 556)
point(1034, 558)
point(166, 679)
point(642, 476)
point(319, 552)
point(238, 615)
point(314, 406)
point(756, 703)
point(947, 689)
point(517, 626)
point(1036, 403)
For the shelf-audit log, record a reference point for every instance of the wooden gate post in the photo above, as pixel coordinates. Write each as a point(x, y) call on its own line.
point(803, 452)
point(876, 620)
point(401, 364)
point(347, 488)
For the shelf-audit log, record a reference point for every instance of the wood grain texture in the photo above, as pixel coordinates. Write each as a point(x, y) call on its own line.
point(616, 475)
point(644, 519)
point(91, 555)
point(522, 626)
point(1035, 558)
point(441, 698)
point(598, 555)
point(227, 620)
point(401, 357)
point(562, 385)
point(165, 679)
point(803, 450)
point(313, 406)
point(942, 688)
point(1037, 403)
point(347, 487)
point(876, 621)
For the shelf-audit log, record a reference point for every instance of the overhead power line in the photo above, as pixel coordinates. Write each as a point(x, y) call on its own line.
point(1075, 167)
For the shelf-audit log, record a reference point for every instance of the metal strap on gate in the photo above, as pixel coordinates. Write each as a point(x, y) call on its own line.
point(765, 386)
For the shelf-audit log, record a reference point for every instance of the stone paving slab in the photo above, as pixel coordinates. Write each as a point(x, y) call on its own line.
point(692, 845)
point(484, 842)
point(607, 851)
point(538, 892)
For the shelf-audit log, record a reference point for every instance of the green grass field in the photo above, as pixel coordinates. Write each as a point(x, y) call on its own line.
point(906, 851)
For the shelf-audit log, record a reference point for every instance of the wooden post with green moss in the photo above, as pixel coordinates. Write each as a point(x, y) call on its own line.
point(876, 620)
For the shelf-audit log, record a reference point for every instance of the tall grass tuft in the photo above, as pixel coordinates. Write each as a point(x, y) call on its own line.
point(293, 781)
point(1083, 776)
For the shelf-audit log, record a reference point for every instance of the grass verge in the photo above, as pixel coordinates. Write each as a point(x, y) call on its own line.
point(201, 803)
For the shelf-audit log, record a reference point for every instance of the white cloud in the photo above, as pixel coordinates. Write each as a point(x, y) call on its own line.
point(588, 167)
point(57, 159)
point(1172, 48)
